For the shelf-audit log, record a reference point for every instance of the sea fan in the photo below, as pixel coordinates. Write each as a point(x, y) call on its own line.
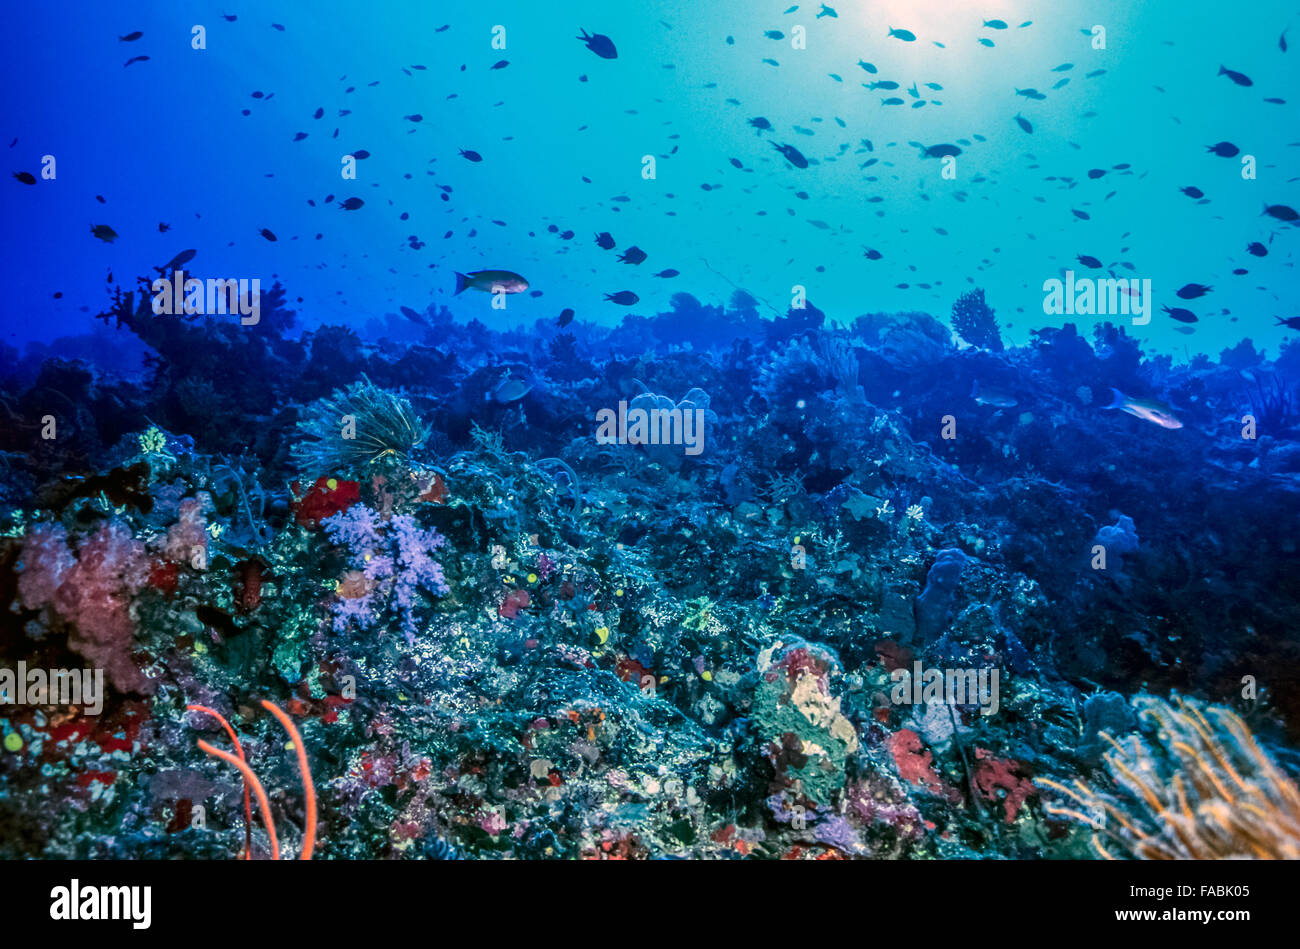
point(1202, 789)
point(355, 428)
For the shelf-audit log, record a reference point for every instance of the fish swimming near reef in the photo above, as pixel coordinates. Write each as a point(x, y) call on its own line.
point(994, 397)
point(507, 390)
point(491, 281)
point(1148, 410)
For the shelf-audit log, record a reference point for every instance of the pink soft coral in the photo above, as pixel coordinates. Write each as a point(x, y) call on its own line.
point(189, 535)
point(45, 559)
point(91, 593)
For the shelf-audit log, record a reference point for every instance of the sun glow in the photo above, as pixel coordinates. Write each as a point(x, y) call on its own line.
point(950, 22)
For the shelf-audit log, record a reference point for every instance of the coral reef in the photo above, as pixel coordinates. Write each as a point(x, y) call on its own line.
point(499, 635)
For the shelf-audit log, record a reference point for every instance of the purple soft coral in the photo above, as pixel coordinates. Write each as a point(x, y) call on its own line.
point(395, 559)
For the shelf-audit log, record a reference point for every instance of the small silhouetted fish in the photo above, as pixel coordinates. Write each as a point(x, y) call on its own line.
point(1281, 41)
point(1192, 191)
point(1081, 215)
point(869, 67)
point(1275, 101)
point(163, 228)
point(1240, 79)
point(501, 64)
point(736, 162)
point(1281, 211)
point(1022, 122)
point(1193, 290)
point(411, 314)
point(985, 41)
point(229, 17)
point(792, 155)
point(774, 35)
point(180, 260)
point(1061, 83)
point(634, 255)
point(827, 11)
point(623, 298)
point(1030, 94)
point(300, 136)
point(600, 44)
point(277, 26)
point(566, 317)
point(995, 24)
point(417, 117)
point(130, 37)
point(605, 240)
point(266, 232)
point(1095, 173)
point(104, 233)
point(760, 123)
point(135, 59)
point(1089, 261)
point(361, 154)
point(907, 36)
point(351, 204)
point(670, 272)
point(872, 254)
point(1256, 249)
point(1292, 322)
point(25, 177)
point(1181, 315)
point(1223, 149)
point(892, 100)
point(940, 151)
point(883, 84)
point(470, 155)
point(770, 61)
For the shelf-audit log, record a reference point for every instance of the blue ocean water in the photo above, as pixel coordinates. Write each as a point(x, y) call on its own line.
point(181, 138)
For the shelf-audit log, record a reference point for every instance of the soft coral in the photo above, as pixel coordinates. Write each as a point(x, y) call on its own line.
point(92, 593)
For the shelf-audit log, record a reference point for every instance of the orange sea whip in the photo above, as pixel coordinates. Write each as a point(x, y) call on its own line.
point(251, 778)
point(239, 749)
point(308, 789)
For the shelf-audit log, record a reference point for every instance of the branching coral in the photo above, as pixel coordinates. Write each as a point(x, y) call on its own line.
point(975, 322)
point(1202, 789)
point(355, 428)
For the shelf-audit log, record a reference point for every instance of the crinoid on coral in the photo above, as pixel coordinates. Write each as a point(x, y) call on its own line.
point(1200, 789)
point(356, 428)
